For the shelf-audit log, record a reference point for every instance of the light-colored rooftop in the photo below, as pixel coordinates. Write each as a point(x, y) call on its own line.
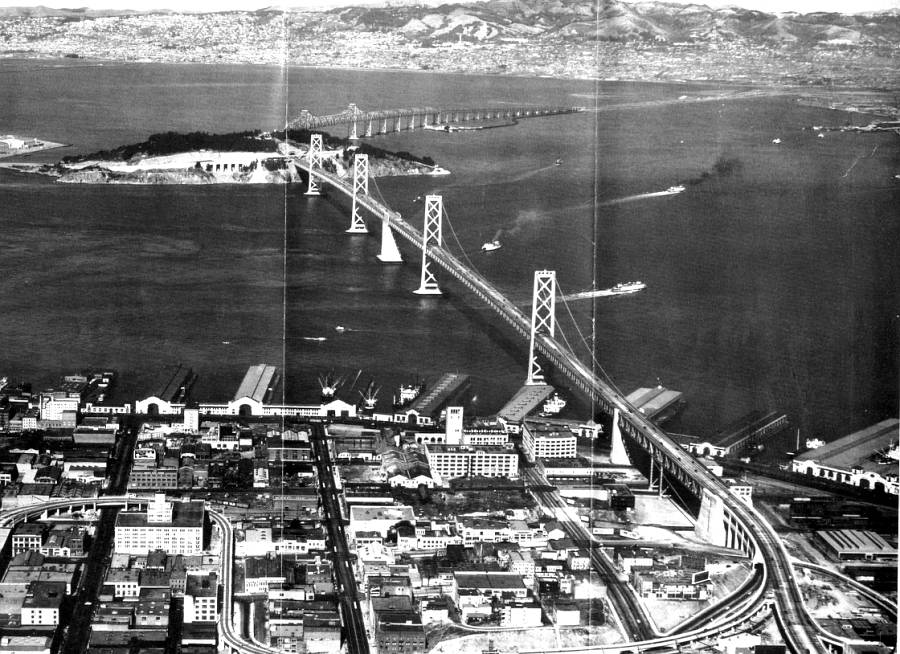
point(396, 513)
point(856, 448)
point(526, 400)
point(257, 382)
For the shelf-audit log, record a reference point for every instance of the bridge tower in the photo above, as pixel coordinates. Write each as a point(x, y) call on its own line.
point(315, 161)
point(543, 319)
point(431, 235)
point(389, 251)
point(360, 185)
point(353, 110)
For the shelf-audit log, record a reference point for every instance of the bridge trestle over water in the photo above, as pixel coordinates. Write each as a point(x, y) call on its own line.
point(395, 120)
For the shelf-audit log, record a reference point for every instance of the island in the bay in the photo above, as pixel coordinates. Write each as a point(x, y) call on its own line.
point(251, 157)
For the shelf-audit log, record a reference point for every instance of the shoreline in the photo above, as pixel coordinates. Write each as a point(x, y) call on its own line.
point(93, 62)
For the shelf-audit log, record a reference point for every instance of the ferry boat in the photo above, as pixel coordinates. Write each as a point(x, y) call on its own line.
point(814, 443)
point(627, 287)
point(490, 246)
point(437, 170)
point(675, 189)
point(554, 404)
point(406, 393)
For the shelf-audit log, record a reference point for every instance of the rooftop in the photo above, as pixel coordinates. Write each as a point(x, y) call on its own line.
point(526, 400)
point(168, 385)
point(856, 448)
point(395, 513)
point(489, 580)
point(433, 399)
point(258, 381)
point(184, 514)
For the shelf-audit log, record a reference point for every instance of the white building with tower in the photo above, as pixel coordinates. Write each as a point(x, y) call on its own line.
point(174, 527)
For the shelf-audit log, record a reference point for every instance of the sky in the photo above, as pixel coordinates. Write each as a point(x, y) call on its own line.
point(802, 6)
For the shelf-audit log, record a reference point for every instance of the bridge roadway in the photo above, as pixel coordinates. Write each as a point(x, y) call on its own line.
point(801, 633)
point(747, 606)
point(232, 639)
point(354, 116)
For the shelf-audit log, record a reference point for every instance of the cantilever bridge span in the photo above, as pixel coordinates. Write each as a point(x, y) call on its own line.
point(744, 528)
point(395, 120)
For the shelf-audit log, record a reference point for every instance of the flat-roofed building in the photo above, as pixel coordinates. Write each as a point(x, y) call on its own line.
point(541, 442)
point(27, 536)
point(378, 519)
point(854, 544)
point(25, 644)
point(452, 461)
point(42, 603)
point(658, 403)
point(526, 400)
point(507, 585)
point(175, 527)
point(201, 598)
point(866, 459)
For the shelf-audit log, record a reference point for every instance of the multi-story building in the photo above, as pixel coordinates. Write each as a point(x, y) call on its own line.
point(452, 461)
point(27, 536)
point(41, 606)
point(176, 527)
point(162, 478)
point(662, 582)
point(201, 598)
point(542, 442)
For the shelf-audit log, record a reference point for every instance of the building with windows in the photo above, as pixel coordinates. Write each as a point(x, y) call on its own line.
point(175, 527)
point(866, 459)
point(201, 598)
point(544, 442)
point(27, 536)
point(452, 461)
point(41, 607)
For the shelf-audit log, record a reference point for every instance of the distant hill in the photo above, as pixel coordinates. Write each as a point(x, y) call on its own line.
point(612, 20)
point(82, 12)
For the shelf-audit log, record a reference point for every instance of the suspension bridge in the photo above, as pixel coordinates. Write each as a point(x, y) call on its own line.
point(727, 520)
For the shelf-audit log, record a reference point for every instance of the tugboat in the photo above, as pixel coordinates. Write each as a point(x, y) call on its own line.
point(559, 162)
point(493, 244)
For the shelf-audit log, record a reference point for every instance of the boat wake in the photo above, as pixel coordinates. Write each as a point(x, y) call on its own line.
point(672, 190)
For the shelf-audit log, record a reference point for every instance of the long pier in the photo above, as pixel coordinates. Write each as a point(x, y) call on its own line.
point(744, 527)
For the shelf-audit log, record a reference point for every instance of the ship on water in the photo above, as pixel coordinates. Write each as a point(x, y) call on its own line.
point(493, 244)
point(627, 287)
point(622, 288)
point(406, 393)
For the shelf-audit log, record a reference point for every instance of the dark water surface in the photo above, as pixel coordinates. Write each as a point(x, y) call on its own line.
point(772, 280)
